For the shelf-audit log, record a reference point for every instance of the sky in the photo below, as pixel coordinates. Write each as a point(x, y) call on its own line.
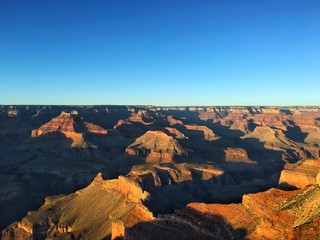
point(169, 52)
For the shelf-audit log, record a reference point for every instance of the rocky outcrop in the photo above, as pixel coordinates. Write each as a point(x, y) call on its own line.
point(139, 117)
point(166, 174)
point(137, 215)
point(86, 214)
point(207, 133)
point(67, 124)
point(185, 224)
point(175, 133)
point(300, 174)
point(237, 155)
point(156, 146)
point(274, 214)
point(267, 135)
point(92, 128)
point(313, 137)
point(63, 123)
point(173, 121)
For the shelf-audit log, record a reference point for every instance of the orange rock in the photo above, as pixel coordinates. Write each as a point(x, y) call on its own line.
point(300, 174)
point(156, 146)
point(173, 121)
point(208, 134)
point(175, 132)
point(237, 155)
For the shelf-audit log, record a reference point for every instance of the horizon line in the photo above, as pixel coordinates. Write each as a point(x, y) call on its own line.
point(152, 105)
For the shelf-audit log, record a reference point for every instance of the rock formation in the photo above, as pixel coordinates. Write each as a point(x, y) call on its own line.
point(207, 133)
point(66, 124)
point(173, 121)
point(274, 214)
point(184, 157)
point(237, 155)
point(300, 174)
point(175, 133)
point(156, 146)
point(85, 214)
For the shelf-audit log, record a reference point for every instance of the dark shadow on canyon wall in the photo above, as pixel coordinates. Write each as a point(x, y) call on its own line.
point(294, 133)
point(186, 224)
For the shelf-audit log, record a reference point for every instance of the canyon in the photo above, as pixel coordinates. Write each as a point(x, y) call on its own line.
point(148, 172)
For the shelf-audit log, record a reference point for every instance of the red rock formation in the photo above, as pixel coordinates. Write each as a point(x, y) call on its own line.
point(272, 138)
point(175, 132)
point(65, 123)
point(236, 121)
point(156, 146)
point(171, 174)
point(139, 214)
point(274, 214)
point(208, 134)
point(313, 137)
point(300, 174)
point(92, 128)
point(120, 123)
point(173, 121)
point(139, 117)
point(237, 155)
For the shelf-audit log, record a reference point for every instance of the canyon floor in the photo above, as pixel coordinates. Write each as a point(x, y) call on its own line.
point(146, 172)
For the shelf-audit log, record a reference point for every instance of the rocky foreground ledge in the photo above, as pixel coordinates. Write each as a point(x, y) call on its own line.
point(117, 209)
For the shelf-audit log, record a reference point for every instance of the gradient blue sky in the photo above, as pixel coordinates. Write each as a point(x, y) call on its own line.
point(160, 52)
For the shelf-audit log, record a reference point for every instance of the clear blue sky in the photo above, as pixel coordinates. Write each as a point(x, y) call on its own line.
point(226, 52)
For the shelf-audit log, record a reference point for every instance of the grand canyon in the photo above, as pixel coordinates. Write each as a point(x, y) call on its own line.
point(148, 172)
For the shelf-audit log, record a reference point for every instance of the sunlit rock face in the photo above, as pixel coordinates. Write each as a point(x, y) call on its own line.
point(237, 155)
point(86, 214)
point(67, 124)
point(273, 214)
point(300, 174)
point(156, 146)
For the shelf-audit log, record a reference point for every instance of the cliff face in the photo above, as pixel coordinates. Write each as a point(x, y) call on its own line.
point(274, 214)
point(300, 174)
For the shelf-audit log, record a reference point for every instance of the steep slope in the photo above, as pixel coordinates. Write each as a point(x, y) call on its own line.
point(272, 138)
point(313, 137)
point(85, 214)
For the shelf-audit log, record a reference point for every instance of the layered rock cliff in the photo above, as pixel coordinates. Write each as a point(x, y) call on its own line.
point(156, 146)
point(300, 174)
point(67, 124)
